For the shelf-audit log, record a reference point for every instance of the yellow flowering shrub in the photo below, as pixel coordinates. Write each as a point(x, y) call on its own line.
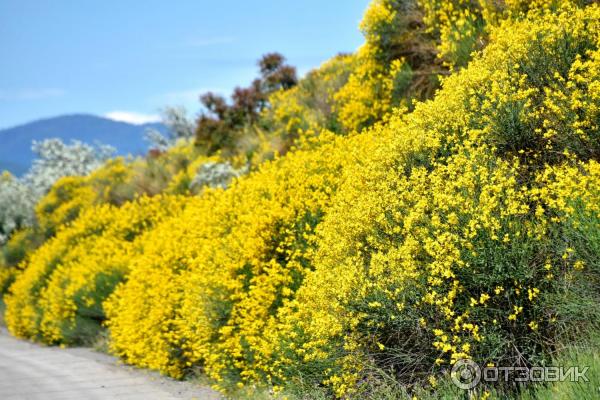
point(438, 247)
point(118, 181)
point(231, 259)
point(16, 249)
point(379, 78)
point(170, 171)
point(71, 194)
point(58, 297)
point(63, 203)
point(143, 316)
point(12, 255)
point(571, 197)
point(462, 26)
point(182, 182)
point(367, 96)
point(397, 62)
point(310, 105)
point(7, 277)
point(305, 109)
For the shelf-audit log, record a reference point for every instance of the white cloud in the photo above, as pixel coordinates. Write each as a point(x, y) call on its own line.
point(132, 117)
point(31, 94)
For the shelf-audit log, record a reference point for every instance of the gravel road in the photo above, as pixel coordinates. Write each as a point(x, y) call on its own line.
point(30, 371)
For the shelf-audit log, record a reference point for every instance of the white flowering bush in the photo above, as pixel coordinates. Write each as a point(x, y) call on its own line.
point(16, 205)
point(55, 160)
point(179, 127)
point(216, 175)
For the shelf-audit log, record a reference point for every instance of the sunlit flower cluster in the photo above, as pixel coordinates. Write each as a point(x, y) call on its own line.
point(462, 26)
point(369, 93)
point(209, 282)
point(58, 297)
point(438, 246)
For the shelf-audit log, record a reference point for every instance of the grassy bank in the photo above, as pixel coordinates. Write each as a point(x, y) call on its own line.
point(2, 308)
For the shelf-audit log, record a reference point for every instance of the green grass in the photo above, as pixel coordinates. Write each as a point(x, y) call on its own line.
point(586, 354)
point(583, 356)
point(2, 309)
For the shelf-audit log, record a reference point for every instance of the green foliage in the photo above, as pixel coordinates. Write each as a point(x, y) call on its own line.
point(584, 355)
point(18, 246)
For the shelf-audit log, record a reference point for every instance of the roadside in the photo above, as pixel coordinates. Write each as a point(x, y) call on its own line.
point(2, 309)
point(32, 371)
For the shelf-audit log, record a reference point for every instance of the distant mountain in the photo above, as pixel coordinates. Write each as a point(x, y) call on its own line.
point(15, 143)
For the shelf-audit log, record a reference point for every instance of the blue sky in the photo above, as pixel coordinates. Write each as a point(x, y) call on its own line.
point(135, 57)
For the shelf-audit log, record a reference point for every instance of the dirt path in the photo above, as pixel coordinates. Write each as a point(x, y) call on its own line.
point(31, 371)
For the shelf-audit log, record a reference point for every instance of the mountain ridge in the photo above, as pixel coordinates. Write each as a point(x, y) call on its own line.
point(15, 142)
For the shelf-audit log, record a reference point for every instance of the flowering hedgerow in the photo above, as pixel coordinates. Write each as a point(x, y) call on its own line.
point(466, 228)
